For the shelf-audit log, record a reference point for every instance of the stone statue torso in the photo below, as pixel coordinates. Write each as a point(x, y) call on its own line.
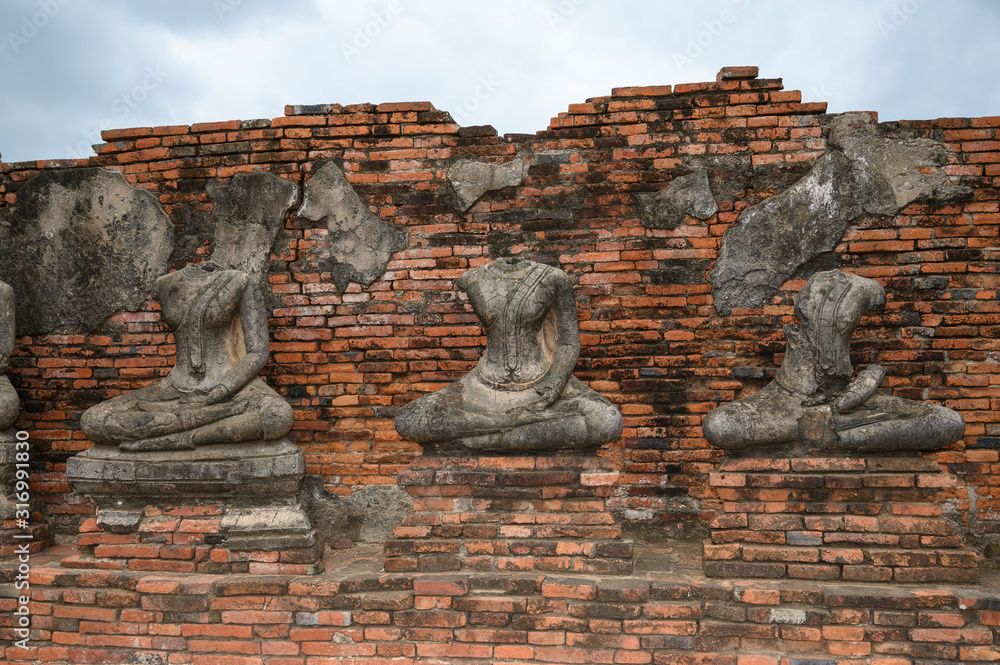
point(513, 300)
point(202, 307)
point(829, 307)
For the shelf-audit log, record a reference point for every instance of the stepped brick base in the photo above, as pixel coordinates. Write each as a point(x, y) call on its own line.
point(353, 615)
point(14, 538)
point(509, 514)
point(872, 519)
point(206, 537)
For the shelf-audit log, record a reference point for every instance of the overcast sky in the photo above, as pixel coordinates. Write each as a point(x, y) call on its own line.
point(71, 66)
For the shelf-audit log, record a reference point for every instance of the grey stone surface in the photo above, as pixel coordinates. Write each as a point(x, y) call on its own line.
point(119, 520)
point(250, 470)
point(10, 406)
point(863, 174)
point(248, 214)
point(471, 179)
point(813, 402)
point(8, 452)
point(275, 526)
point(787, 615)
point(79, 246)
point(686, 195)
point(359, 244)
point(367, 515)
point(522, 395)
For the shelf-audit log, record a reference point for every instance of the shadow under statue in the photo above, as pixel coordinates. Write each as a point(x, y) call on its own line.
point(813, 401)
point(521, 397)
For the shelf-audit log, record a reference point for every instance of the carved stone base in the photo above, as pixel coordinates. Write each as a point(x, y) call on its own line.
point(260, 469)
point(509, 514)
point(217, 509)
point(874, 519)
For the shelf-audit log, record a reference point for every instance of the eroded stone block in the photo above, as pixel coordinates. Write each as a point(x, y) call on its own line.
point(359, 244)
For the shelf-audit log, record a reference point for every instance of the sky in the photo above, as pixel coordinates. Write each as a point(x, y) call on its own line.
point(72, 67)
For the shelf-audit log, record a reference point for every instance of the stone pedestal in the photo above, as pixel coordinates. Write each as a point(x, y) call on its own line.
point(16, 532)
point(216, 509)
point(509, 514)
point(870, 519)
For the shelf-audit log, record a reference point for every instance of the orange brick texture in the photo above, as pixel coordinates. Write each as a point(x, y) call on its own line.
point(366, 619)
point(509, 514)
point(651, 339)
point(855, 519)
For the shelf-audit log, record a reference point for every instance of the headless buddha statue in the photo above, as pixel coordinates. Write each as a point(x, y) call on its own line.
point(522, 395)
point(213, 394)
point(10, 406)
point(812, 397)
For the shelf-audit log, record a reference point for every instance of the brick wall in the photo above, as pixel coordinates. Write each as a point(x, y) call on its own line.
point(364, 618)
point(652, 340)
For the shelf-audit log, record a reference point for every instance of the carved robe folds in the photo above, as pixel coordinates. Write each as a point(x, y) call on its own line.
point(522, 395)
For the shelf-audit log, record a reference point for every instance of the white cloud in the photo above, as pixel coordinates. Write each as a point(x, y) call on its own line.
point(520, 62)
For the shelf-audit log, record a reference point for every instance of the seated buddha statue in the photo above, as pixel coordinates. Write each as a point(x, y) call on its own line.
point(10, 405)
point(813, 397)
point(521, 396)
point(213, 394)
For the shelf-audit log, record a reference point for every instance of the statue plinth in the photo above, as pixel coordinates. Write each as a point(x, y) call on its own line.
point(541, 513)
point(856, 519)
point(215, 509)
point(18, 530)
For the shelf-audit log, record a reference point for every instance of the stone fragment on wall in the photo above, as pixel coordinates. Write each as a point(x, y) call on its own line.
point(686, 195)
point(79, 246)
point(248, 213)
point(471, 179)
point(367, 515)
point(864, 174)
point(359, 244)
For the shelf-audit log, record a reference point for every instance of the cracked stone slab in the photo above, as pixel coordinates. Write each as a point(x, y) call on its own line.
point(685, 195)
point(249, 213)
point(864, 174)
point(79, 246)
point(359, 244)
point(471, 179)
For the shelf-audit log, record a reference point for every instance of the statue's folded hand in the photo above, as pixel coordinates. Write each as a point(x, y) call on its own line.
point(140, 424)
point(220, 393)
point(548, 397)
